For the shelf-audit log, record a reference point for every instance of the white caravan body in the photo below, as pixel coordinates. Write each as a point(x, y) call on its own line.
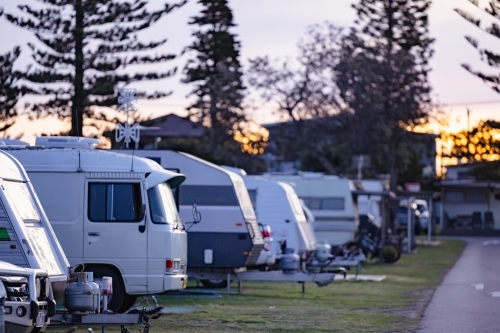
point(113, 213)
point(371, 204)
point(26, 236)
point(228, 236)
point(330, 200)
point(277, 205)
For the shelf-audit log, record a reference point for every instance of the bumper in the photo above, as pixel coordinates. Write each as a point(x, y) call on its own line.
point(175, 282)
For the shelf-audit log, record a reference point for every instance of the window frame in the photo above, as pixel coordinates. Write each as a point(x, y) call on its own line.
point(137, 184)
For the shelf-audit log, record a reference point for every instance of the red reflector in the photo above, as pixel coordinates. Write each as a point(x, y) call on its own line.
point(245, 253)
point(266, 234)
point(239, 224)
point(169, 264)
point(13, 247)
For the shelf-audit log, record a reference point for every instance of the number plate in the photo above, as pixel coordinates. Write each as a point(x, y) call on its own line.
point(40, 320)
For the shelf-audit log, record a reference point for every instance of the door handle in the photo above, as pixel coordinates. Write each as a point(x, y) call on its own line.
point(95, 234)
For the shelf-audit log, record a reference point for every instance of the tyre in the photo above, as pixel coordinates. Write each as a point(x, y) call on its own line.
point(117, 300)
point(389, 254)
point(127, 303)
point(214, 283)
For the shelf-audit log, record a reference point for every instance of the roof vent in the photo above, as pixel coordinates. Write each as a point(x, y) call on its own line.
point(66, 142)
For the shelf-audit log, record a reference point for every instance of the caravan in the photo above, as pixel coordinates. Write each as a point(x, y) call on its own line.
point(229, 236)
point(113, 213)
point(330, 200)
point(277, 205)
point(26, 236)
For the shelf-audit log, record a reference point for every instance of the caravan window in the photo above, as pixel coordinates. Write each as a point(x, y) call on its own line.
point(253, 198)
point(207, 195)
point(114, 202)
point(332, 203)
point(245, 201)
point(22, 200)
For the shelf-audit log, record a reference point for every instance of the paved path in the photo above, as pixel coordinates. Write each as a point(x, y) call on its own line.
point(466, 300)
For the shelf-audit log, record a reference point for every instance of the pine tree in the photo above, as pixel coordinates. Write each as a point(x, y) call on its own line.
point(490, 57)
point(85, 47)
point(216, 73)
point(383, 78)
point(10, 88)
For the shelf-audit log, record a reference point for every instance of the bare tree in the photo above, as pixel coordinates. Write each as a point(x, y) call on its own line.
point(304, 93)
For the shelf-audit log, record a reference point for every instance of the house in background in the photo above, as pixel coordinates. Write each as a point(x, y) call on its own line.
point(280, 158)
point(469, 206)
point(167, 127)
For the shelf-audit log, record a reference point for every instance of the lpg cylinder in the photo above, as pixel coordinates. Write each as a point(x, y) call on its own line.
point(97, 291)
point(323, 252)
point(79, 296)
point(289, 262)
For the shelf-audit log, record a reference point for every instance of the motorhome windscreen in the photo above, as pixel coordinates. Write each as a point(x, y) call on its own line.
point(22, 200)
point(330, 203)
point(207, 195)
point(114, 202)
point(162, 205)
point(244, 198)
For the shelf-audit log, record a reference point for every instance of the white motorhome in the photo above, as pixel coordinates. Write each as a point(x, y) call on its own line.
point(277, 205)
point(330, 200)
point(26, 236)
point(114, 213)
point(228, 236)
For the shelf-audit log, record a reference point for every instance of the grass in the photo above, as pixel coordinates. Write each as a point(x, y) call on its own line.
point(393, 305)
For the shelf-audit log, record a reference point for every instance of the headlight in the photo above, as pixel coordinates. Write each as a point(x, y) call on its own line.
point(21, 311)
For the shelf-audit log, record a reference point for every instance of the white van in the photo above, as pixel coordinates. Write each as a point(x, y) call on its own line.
point(277, 205)
point(330, 200)
point(112, 212)
point(26, 236)
point(228, 236)
point(371, 204)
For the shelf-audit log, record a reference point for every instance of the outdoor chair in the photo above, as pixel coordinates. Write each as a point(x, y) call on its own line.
point(477, 221)
point(489, 222)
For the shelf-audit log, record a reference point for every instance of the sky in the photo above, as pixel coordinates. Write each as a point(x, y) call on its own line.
point(273, 27)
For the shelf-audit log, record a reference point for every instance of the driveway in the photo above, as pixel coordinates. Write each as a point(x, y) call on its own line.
point(468, 300)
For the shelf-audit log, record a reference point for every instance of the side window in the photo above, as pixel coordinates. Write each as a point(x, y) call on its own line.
point(114, 202)
point(208, 195)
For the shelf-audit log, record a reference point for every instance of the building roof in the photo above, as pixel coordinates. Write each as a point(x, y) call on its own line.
point(172, 126)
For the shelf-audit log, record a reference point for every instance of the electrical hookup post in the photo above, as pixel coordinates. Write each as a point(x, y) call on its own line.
point(127, 132)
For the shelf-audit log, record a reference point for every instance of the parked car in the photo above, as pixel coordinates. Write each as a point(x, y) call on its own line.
point(402, 217)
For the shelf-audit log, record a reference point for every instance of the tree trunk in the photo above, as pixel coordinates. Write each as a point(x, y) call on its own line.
point(78, 102)
point(330, 169)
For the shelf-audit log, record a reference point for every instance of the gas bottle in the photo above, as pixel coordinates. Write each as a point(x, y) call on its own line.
point(79, 296)
point(289, 261)
point(96, 293)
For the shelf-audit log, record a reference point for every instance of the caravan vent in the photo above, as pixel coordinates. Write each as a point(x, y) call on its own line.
point(66, 142)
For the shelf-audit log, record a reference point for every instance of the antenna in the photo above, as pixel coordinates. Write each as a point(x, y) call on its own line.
point(132, 167)
point(78, 136)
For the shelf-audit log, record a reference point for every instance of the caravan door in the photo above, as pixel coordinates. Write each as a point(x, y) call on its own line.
point(115, 229)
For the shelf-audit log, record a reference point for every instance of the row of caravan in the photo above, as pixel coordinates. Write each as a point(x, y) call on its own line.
point(150, 218)
point(135, 216)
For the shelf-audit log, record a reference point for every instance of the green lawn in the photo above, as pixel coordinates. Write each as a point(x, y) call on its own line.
point(393, 305)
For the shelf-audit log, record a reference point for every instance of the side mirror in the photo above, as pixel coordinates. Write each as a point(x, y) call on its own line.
point(196, 214)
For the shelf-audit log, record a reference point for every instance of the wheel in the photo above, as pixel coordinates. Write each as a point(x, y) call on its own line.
point(214, 283)
point(389, 254)
point(127, 303)
point(117, 300)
